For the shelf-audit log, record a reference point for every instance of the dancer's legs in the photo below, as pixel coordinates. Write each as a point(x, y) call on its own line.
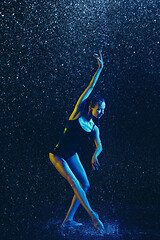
point(63, 168)
point(79, 172)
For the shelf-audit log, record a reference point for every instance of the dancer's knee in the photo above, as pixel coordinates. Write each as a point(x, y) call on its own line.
point(73, 182)
point(86, 186)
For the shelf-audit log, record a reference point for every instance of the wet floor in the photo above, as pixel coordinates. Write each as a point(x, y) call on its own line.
point(44, 223)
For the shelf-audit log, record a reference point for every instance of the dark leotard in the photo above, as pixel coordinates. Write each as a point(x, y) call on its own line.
point(73, 139)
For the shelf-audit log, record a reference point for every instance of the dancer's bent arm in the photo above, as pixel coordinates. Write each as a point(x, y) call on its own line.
point(90, 87)
point(98, 150)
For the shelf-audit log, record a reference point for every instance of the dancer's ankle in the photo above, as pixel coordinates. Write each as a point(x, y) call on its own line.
point(96, 221)
point(68, 219)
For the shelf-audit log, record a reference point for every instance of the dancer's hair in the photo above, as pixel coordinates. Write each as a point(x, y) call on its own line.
point(92, 100)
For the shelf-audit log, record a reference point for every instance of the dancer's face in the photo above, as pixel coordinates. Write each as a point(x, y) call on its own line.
point(98, 110)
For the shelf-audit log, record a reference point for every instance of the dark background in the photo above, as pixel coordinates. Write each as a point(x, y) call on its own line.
point(47, 62)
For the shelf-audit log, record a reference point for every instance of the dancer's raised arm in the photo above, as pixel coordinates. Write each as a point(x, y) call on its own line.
point(90, 87)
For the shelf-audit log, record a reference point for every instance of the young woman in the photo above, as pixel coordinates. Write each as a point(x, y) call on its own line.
point(65, 157)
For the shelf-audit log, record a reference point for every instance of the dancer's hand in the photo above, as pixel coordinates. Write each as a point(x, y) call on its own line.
point(99, 59)
point(95, 163)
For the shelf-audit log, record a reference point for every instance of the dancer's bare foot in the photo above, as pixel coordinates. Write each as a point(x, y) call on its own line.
point(71, 223)
point(96, 221)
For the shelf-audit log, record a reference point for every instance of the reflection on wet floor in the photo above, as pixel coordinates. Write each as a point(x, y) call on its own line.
point(121, 223)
